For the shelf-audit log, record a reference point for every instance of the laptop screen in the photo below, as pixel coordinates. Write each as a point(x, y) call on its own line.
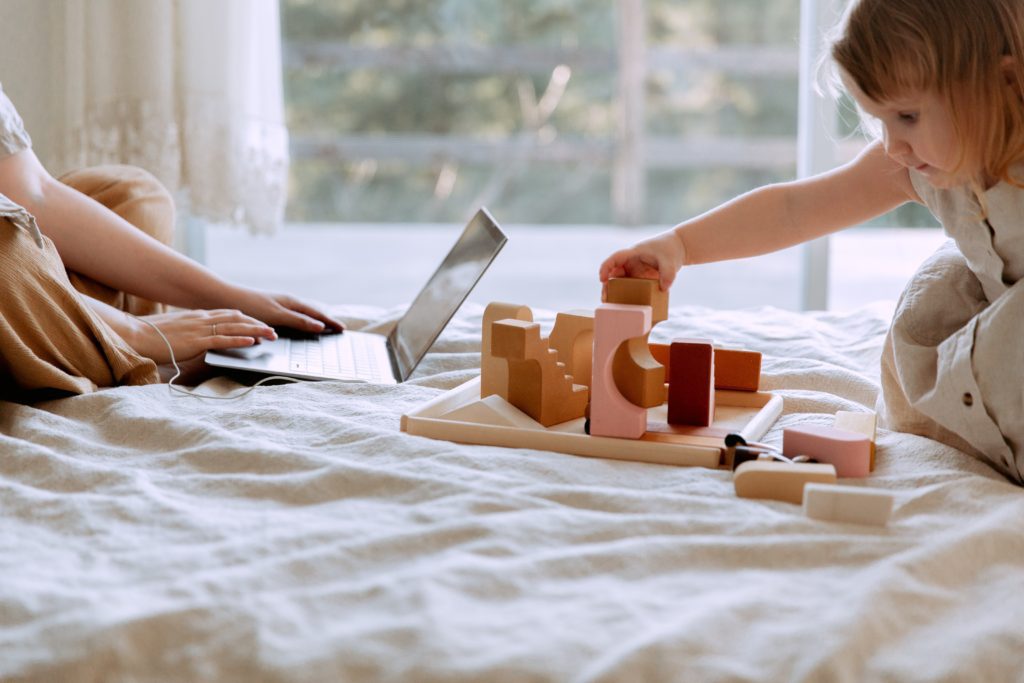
point(447, 288)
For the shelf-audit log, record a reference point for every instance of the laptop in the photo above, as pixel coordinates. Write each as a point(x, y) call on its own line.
point(366, 357)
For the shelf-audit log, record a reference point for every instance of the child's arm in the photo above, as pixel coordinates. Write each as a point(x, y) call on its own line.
point(771, 218)
point(94, 241)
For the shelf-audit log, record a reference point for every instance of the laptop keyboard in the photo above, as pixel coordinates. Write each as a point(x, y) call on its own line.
point(344, 356)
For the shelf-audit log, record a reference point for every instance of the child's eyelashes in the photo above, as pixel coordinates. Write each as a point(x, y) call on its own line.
point(907, 116)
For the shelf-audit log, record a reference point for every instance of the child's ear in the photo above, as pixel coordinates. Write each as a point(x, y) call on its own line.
point(1012, 74)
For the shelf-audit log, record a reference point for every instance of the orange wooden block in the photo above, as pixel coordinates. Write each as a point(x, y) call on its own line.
point(573, 338)
point(737, 369)
point(494, 371)
point(639, 292)
point(691, 389)
point(537, 383)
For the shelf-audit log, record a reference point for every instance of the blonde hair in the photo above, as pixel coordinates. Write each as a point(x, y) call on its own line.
point(968, 52)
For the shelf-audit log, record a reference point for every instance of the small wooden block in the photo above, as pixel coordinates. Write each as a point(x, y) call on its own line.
point(639, 292)
point(865, 423)
point(691, 387)
point(848, 451)
point(774, 480)
point(537, 383)
point(494, 371)
point(737, 369)
point(573, 338)
point(611, 414)
point(852, 504)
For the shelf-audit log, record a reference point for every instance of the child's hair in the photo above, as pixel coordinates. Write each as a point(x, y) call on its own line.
point(968, 52)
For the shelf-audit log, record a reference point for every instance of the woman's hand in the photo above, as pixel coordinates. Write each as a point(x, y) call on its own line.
point(656, 258)
point(286, 311)
point(192, 333)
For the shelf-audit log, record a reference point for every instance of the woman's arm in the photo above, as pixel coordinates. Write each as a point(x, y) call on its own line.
point(97, 243)
point(771, 218)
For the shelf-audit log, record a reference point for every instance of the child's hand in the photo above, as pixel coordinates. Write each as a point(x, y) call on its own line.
point(656, 258)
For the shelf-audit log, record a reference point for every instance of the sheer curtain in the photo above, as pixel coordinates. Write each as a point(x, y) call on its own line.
point(188, 89)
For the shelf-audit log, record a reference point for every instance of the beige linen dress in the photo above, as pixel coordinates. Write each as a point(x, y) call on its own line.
point(953, 362)
point(51, 342)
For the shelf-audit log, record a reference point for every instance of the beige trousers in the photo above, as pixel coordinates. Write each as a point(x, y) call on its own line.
point(51, 342)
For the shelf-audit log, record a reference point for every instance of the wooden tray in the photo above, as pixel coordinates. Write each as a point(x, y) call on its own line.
point(497, 423)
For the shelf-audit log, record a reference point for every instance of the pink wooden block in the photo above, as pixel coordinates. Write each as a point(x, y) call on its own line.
point(610, 413)
point(849, 452)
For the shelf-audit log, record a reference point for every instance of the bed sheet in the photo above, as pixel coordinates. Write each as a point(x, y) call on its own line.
point(298, 535)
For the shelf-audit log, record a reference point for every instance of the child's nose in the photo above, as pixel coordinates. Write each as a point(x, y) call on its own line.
point(894, 145)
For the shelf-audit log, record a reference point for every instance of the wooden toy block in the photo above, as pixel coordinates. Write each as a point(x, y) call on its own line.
point(639, 292)
point(865, 423)
point(494, 371)
point(775, 480)
point(537, 383)
point(691, 387)
point(640, 378)
point(611, 413)
point(853, 504)
point(848, 451)
point(573, 338)
point(663, 354)
point(737, 369)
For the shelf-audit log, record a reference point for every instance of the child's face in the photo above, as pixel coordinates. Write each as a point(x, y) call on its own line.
point(918, 133)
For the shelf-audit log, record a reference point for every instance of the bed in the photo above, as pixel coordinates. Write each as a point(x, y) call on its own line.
point(298, 535)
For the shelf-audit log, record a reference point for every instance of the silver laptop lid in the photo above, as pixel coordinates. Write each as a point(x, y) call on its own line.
point(447, 288)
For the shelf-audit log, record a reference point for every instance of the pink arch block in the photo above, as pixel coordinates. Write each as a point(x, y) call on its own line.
point(610, 413)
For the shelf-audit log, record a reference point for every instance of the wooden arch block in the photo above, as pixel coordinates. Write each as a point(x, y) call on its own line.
point(639, 377)
point(573, 338)
point(611, 413)
point(537, 383)
point(494, 371)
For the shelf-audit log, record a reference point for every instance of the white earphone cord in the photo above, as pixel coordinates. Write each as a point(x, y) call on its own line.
point(185, 392)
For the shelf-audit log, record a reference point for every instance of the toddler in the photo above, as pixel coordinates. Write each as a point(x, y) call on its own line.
point(943, 82)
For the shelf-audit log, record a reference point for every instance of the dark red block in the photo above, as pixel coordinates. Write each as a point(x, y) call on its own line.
point(691, 387)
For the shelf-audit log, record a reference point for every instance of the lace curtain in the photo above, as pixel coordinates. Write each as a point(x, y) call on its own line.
point(189, 89)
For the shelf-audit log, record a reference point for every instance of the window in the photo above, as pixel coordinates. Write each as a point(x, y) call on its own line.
point(550, 111)
point(572, 112)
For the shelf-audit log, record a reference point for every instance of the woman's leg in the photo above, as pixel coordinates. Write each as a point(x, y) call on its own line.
point(139, 198)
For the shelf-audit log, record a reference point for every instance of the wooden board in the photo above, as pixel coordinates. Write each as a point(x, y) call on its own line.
point(749, 413)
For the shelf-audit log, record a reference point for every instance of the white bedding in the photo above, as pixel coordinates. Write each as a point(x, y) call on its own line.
point(298, 535)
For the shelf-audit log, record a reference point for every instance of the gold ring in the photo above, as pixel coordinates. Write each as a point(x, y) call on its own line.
point(215, 329)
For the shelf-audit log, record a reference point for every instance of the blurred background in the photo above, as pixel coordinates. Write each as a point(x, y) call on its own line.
point(584, 125)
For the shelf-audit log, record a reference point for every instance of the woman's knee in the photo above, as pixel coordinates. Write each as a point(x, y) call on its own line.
point(133, 193)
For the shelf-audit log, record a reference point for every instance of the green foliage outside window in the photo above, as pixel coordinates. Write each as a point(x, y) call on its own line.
point(421, 70)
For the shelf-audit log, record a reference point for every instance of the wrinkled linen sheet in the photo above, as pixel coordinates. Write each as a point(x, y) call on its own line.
point(298, 535)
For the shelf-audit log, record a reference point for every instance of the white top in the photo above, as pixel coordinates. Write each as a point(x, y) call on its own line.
point(994, 249)
point(13, 139)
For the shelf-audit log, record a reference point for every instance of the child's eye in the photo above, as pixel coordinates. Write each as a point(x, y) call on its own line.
point(908, 116)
